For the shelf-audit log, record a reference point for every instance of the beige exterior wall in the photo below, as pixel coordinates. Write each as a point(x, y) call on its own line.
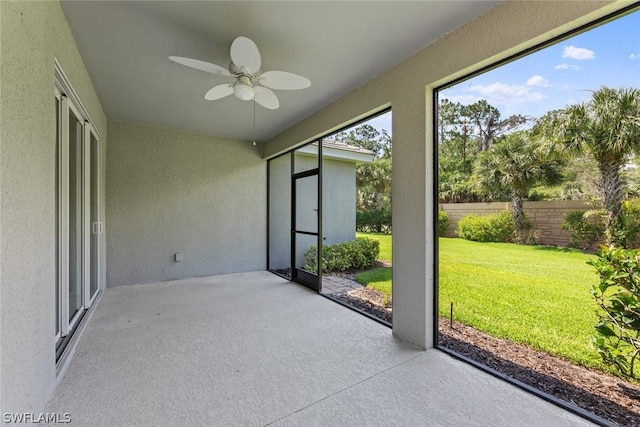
point(32, 35)
point(407, 88)
point(171, 191)
point(547, 217)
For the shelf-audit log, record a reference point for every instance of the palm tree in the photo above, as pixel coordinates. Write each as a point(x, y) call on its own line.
point(376, 178)
point(514, 164)
point(608, 128)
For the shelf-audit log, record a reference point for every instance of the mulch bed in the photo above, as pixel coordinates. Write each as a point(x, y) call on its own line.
point(367, 300)
point(605, 395)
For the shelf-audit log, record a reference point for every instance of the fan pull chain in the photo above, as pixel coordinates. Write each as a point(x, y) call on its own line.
point(254, 122)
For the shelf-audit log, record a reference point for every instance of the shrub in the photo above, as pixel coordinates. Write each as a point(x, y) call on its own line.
point(618, 294)
point(487, 228)
point(443, 222)
point(628, 233)
point(586, 228)
point(377, 221)
point(356, 254)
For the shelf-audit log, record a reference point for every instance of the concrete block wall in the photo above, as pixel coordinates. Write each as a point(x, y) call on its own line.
point(547, 217)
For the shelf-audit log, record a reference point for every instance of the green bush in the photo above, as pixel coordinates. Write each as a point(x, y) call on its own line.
point(628, 233)
point(618, 294)
point(443, 223)
point(586, 228)
point(376, 221)
point(487, 228)
point(354, 254)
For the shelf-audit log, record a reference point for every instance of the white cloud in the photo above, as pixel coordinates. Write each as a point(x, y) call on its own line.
point(634, 56)
point(501, 93)
point(537, 81)
point(579, 53)
point(566, 66)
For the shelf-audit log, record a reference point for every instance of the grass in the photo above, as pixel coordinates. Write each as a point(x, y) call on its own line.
point(532, 295)
point(535, 295)
point(378, 278)
point(385, 244)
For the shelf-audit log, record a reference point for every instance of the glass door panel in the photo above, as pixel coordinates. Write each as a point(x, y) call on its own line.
point(307, 204)
point(75, 215)
point(57, 162)
point(307, 253)
point(306, 220)
point(94, 218)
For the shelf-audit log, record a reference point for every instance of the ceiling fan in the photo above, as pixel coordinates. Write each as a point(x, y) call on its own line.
point(250, 82)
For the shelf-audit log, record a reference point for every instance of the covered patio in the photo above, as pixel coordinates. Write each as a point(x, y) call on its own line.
point(255, 349)
point(120, 183)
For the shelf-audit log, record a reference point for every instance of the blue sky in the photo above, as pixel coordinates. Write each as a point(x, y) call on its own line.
point(562, 74)
point(558, 75)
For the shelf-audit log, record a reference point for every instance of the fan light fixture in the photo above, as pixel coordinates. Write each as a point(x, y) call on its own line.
point(243, 91)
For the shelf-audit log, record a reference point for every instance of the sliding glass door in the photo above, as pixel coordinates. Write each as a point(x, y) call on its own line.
point(74, 202)
point(78, 225)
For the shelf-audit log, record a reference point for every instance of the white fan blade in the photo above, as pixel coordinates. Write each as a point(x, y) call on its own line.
point(245, 54)
point(218, 92)
point(283, 80)
point(266, 97)
point(200, 65)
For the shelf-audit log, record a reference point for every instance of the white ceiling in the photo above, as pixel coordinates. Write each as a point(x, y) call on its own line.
point(338, 45)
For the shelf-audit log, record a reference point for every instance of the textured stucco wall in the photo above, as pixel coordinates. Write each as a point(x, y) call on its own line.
point(32, 34)
point(507, 29)
point(338, 201)
point(170, 191)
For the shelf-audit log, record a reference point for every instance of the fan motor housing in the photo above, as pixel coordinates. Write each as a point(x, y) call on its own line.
point(233, 69)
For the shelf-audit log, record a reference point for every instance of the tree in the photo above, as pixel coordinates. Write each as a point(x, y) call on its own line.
point(488, 125)
point(607, 128)
point(464, 131)
point(515, 164)
point(368, 137)
point(374, 182)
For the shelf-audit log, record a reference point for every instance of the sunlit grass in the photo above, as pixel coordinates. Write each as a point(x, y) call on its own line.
point(378, 279)
point(385, 244)
point(535, 295)
point(528, 294)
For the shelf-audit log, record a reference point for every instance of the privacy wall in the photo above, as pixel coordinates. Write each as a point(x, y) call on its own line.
point(546, 217)
point(169, 192)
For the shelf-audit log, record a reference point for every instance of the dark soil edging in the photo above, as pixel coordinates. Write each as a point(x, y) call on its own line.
point(606, 396)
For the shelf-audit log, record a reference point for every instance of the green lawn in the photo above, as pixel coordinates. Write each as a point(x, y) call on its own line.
point(529, 294)
point(534, 295)
point(378, 278)
point(385, 244)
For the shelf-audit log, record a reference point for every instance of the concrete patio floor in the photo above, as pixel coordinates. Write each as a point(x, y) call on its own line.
point(253, 349)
